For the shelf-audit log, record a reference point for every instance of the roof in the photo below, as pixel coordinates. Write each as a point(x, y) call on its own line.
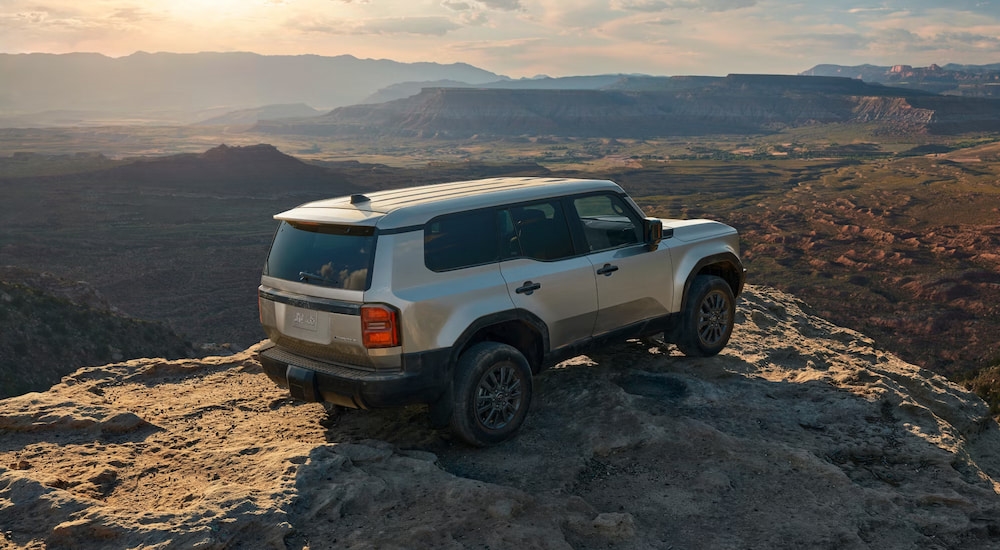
point(415, 205)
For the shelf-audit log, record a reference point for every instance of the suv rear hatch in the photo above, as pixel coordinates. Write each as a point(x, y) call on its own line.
point(313, 288)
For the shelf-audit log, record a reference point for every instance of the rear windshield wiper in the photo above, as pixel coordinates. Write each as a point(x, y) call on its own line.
point(306, 277)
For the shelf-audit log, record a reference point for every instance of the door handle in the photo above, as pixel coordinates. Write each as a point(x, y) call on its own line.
point(607, 270)
point(527, 288)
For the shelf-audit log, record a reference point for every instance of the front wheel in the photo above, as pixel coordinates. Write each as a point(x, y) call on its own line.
point(491, 395)
point(708, 317)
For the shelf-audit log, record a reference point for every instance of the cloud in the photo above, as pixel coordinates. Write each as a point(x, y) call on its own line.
point(986, 7)
point(476, 13)
point(27, 17)
point(968, 38)
point(474, 18)
point(430, 25)
point(882, 9)
point(641, 5)
point(506, 5)
point(39, 15)
point(949, 41)
point(438, 26)
point(503, 5)
point(500, 48)
point(132, 15)
point(456, 5)
point(847, 41)
point(652, 6)
point(716, 5)
point(51, 20)
point(663, 22)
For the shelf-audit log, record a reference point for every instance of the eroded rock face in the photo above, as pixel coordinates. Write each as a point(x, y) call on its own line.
point(801, 434)
point(915, 268)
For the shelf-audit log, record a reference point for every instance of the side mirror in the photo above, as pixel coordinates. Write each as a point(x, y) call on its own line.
point(652, 231)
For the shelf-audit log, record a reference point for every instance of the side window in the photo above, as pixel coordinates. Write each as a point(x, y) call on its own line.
point(461, 240)
point(608, 222)
point(539, 231)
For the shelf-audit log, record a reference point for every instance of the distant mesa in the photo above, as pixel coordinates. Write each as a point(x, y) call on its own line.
point(249, 117)
point(635, 83)
point(643, 107)
point(951, 79)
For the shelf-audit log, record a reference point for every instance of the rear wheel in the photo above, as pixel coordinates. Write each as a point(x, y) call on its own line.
point(708, 317)
point(491, 395)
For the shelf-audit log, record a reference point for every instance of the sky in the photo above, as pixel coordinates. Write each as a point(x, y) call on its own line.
point(526, 38)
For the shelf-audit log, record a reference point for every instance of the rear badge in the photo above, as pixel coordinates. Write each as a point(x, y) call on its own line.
point(305, 320)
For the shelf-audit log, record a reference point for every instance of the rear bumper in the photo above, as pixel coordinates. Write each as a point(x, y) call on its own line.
point(422, 379)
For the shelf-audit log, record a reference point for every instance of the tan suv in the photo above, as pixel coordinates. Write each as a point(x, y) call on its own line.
point(454, 295)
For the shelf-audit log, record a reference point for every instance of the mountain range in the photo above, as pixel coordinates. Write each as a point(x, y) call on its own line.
point(951, 79)
point(172, 87)
point(239, 89)
point(645, 107)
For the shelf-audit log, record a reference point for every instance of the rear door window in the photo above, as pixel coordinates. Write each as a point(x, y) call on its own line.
point(336, 256)
point(539, 231)
point(465, 239)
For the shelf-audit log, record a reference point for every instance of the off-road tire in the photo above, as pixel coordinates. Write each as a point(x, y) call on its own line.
point(492, 393)
point(707, 318)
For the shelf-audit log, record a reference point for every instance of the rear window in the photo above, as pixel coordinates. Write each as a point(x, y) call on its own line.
point(337, 256)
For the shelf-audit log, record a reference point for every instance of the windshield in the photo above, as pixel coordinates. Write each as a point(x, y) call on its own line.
point(337, 256)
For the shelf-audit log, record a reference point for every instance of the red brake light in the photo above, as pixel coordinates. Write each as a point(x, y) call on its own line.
point(379, 327)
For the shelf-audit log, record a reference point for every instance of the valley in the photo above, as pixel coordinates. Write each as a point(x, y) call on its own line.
point(873, 232)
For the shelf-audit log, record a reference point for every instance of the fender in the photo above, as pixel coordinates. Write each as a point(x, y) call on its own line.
point(486, 321)
point(732, 264)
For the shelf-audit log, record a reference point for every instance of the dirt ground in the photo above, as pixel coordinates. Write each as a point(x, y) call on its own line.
point(801, 434)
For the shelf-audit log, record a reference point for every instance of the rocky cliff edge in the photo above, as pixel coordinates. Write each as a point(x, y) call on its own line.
point(800, 434)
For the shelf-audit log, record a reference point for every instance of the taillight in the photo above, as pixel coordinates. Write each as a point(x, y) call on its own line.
point(379, 326)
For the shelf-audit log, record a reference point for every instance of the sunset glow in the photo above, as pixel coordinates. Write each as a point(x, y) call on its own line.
point(526, 37)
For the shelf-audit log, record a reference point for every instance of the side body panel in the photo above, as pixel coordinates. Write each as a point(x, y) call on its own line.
point(640, 288)
point(565, 300)
point(435, 308)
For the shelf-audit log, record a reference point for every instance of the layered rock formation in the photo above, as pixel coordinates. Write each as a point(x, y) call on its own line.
point(801, 434)
point(737, 104)
point(952, 79)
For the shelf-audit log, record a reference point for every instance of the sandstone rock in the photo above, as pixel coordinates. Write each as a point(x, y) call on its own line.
point(801, 434)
